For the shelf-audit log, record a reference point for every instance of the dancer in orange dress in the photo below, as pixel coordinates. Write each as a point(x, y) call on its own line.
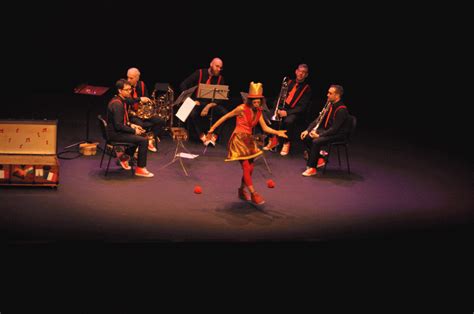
point(242, 145)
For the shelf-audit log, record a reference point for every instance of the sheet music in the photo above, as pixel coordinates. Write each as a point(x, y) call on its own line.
point(211, 91)
point(186, 155)
point(185, 109)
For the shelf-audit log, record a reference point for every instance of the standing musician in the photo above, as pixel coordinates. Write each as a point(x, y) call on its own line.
point(211, 75)
point(331, 125)
point(293, 107)
point(140, 96)
point(120, 129)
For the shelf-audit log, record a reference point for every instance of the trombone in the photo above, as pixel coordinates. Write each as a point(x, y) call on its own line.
point(281, 100)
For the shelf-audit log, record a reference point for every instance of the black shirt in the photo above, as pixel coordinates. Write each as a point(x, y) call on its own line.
point(334, 121)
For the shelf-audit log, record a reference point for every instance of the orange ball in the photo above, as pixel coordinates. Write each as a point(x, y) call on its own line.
point(270, 183)
point(197, 189)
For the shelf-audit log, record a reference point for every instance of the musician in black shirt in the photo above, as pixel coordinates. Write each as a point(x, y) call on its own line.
point(120, 129)
point(140, 94)
point(333, 125)
point(211, 75)
point(294, 108)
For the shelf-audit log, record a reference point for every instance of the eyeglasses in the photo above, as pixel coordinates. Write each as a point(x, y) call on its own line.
point(127, 89)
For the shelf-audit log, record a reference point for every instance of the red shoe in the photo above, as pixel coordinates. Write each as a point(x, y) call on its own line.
point(204, 139)
point(123, 162)
point(310, 172)
point(321, 163)
point(151, 146)
point(213, 139)
point(142, 172)
point(243, 195)
point(272, 143)
point(285, 149)
point(257, 199)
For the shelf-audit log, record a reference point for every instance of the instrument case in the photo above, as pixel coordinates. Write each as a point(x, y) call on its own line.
point(28, 153)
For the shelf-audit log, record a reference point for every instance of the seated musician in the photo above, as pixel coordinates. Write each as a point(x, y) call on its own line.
point(211, 75)
point(148, 122)
point(293, 108)
point(331, 125)
point(121, 130)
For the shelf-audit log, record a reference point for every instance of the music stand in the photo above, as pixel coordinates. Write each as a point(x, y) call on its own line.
point(85, 89)
point(213, 92)
point(182, 97)
point(180, 134)
point(260, 139)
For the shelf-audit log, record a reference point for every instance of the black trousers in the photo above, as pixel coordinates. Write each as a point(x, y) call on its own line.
point(313, 146)
point(140, 141)
point(155, 124)
point(287, 123)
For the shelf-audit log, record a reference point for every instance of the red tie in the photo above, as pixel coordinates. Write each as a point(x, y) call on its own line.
point(125, 115)
point(209, 80)
point(291, 94)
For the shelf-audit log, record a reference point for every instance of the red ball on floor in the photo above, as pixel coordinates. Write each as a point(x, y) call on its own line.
point(197, 189)
point(270, 183)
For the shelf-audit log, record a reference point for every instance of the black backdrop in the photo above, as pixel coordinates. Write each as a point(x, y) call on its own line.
point(383, 56)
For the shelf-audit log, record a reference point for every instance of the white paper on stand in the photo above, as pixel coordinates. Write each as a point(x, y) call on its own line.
point(185, 109)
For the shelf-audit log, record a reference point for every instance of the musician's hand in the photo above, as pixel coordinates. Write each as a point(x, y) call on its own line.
point(145, 99)
point(205, 111)
point(313, 134)
point(197, 102)
point(138, 129)
point(281, 133)
point(282, 113)
point(303, 134)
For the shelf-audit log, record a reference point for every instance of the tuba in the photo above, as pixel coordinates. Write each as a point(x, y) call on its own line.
point(281, 99)
point(143, 110)
point(164, 106)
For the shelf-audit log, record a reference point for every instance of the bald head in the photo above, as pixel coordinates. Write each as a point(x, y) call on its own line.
point(216, 66)
point(217, 61)
point(133, 76)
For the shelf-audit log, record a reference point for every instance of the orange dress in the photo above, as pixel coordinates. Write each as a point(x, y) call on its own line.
point(242, 144)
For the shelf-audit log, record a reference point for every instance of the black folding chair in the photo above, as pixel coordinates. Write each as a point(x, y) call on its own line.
point(343, 143)
point(110, 145)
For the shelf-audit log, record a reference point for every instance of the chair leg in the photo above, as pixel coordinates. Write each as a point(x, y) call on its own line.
point(338, 156)
point(347, 159)
point(329, 156)
point(108, 163)
point(156, 143)
point(132, 161)
point(103, 153)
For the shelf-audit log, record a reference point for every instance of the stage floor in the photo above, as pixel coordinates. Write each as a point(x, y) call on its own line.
point(393, 190)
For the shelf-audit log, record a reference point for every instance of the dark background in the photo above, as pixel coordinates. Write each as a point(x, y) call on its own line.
point(395, 62)
point(390, 60)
